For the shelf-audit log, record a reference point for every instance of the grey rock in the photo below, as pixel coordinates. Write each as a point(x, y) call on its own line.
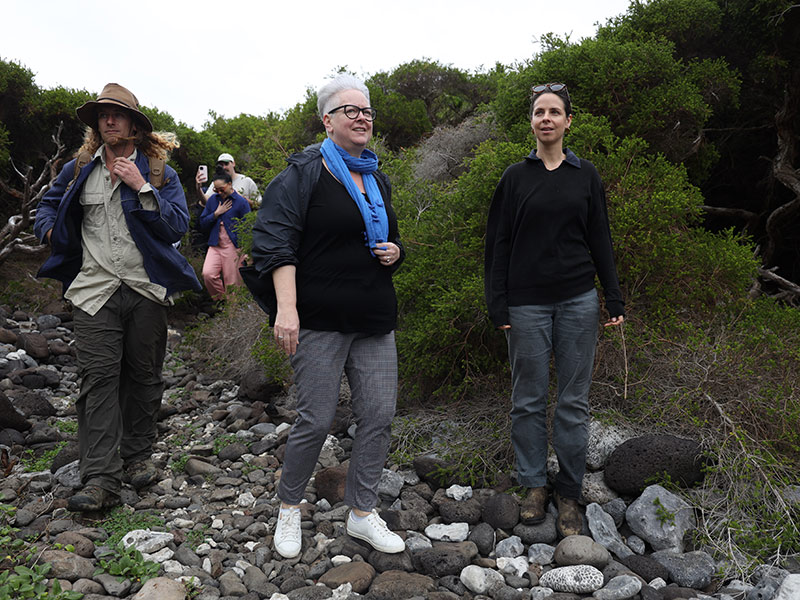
point(358, 574)
point(439, 561)
point(383, 562)
point(603, 440)
point(660, 518)
point(541, 554)
point(636, 544)
point(578, 579)
point(542, 533)
point(510, 547)
point(454, 532)
point(186, 556)
point(766, 588)
point(483, 536)
point(638, 460)
point(47, 322)
point(112, 585)
point(460, 511)
point(310, 592)
point(146, 541)
point(10, 418)
point(501, 511)
point(693, 569)
point(604, 531)
point(162, 588)
point(645, 567)
point(195, 466)
point(231, 585)
point(33, 404)
point(69, 475)
point(67, 565)
point(232, 452)
point(479, 580)
point(616, 508)
point(398, 585)
point(790, 588)
point(619, 588)
point(403, 520)
point(581, 550)
point(390, 484)
point(595, 489)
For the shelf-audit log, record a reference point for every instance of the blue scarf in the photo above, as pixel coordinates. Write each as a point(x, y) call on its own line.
point(373, 211)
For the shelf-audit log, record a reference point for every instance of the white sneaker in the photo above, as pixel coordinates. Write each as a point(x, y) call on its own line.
point(288, 539)
point(373, 530)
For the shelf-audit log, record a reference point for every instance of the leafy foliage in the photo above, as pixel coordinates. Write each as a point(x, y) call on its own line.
point(128, 563)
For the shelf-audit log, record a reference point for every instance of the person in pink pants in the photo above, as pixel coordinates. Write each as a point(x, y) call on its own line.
point(220, 218)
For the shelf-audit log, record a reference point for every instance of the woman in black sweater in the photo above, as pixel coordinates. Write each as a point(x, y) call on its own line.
point(547, 237)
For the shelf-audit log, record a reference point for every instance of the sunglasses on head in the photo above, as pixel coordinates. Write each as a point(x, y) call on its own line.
point(553, 87)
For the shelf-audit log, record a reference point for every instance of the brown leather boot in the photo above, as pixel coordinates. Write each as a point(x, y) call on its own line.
point(532, 508)
point(570, 521)
point(92, 497)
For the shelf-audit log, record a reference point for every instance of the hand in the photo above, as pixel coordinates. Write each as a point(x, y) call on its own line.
point(49, 234)
point(224, 207)
point(287, 330)
point(504, 327)
point(387, 253)
point(614, 321)
point(128, 172)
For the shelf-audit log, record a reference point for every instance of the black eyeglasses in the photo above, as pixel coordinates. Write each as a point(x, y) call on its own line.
point(351, 111)
point(553, 87)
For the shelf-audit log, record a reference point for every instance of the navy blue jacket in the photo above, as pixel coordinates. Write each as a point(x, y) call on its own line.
point(210, 223)
point(153, 232)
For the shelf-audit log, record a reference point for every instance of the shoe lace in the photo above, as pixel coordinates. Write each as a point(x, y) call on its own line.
point(290, 524)
point(379, 523)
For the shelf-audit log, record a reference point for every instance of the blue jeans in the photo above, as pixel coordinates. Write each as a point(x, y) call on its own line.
point(568, 329)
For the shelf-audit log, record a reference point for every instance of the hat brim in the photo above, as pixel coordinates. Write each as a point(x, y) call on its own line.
point(88, 114)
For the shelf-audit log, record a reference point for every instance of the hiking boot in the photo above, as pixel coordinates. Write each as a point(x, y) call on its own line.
point(570, 521)
point(373, 530)
point(92, 497)
point(532, 508)
point(142, 473)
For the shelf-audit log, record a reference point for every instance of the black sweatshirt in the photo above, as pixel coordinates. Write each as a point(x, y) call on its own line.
point(547, 236)
point(340, 285)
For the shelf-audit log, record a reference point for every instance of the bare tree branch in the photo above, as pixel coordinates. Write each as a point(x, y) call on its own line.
point(12, 236)
point(750, 218)
point(783, 166)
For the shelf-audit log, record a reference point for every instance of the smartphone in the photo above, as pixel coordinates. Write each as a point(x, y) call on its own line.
point(203, 170)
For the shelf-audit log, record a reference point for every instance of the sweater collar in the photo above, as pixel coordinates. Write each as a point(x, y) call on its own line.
point(571, 158)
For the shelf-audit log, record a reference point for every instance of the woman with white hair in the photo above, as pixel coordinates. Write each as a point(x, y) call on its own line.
point(326, 237)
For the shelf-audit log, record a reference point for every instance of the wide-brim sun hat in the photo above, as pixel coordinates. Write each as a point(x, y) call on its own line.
point(114, 94)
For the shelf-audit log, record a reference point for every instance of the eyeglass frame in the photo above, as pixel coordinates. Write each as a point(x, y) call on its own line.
point(359, 109)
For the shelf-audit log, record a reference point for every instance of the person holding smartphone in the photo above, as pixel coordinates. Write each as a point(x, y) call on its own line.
point(243, 185)
point(220, 219)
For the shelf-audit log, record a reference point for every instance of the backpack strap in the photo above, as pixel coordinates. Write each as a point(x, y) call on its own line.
point(83, 159)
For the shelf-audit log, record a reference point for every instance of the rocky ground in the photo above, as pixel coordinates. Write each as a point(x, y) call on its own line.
point(208, 522)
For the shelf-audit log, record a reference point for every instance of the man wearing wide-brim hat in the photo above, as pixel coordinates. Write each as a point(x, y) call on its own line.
point(111, 235)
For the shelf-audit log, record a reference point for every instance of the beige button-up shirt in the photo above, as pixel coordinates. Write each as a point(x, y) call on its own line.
point(110, 256)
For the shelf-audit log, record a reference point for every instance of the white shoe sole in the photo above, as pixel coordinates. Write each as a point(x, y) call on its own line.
point(378, 547)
